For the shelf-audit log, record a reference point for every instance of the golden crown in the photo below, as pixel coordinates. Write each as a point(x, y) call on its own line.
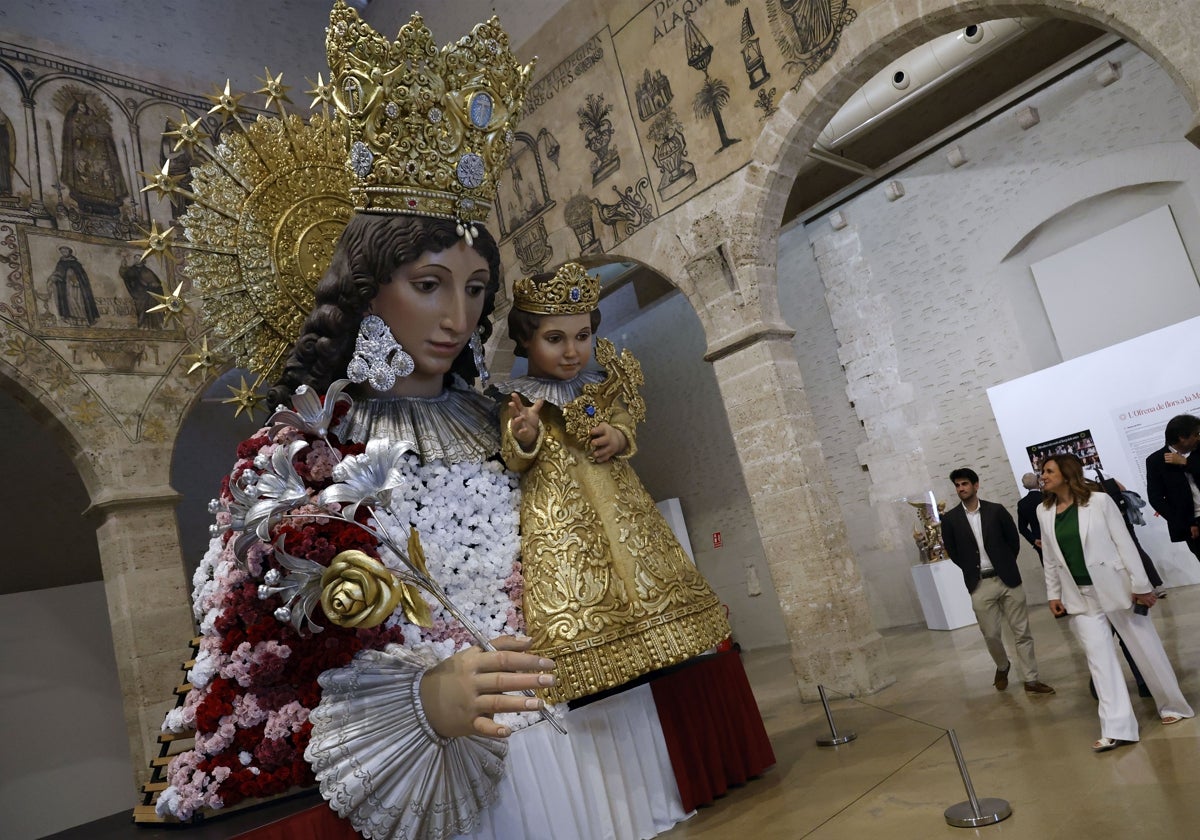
point(571, 291)
point(429, 130)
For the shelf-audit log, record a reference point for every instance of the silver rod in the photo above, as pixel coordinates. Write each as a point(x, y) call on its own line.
point(828, 714)
point(966, 777)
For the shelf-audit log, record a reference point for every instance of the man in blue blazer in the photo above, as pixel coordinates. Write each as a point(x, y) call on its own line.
point(981, 538)
point(1173, 481)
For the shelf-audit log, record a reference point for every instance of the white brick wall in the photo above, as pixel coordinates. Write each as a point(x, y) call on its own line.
point(933, 301)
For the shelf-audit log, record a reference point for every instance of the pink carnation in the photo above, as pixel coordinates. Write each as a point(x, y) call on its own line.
point(246, 712)
point(285, 720)
point(214, 743)
point(321, 460)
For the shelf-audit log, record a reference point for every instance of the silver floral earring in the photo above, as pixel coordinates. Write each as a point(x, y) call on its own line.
point(477, 352)
point(378, 357)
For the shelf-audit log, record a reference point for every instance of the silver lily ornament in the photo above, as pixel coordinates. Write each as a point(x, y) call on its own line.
point(279, 490)
point(300, 589)
point(309, 413)
point(368, 478)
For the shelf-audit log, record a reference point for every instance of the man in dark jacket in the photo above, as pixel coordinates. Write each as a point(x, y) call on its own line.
point(1027, 521)
point(1173, 481)
point(981, 538)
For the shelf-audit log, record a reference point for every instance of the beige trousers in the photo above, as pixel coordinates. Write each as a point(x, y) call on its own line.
point(997, 606)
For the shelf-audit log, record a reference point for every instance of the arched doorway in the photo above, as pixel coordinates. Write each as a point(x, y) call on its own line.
point(61, 712)
point(903, 280)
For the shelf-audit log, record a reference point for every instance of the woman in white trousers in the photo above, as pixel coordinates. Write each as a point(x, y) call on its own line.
point(1093, 572)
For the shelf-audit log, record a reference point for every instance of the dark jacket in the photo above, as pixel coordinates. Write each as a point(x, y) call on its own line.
point(1169, 493)
point(1000, 539)
point(1027, 521)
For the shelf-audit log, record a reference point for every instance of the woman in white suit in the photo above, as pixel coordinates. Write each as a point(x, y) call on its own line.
point(1094, 573)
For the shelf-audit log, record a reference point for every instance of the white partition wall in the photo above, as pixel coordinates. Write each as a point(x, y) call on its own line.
point(1123, 394)
point(1122, 283)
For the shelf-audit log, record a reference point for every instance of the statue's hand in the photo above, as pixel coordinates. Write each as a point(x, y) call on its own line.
point(525, 420)
point(460, 694)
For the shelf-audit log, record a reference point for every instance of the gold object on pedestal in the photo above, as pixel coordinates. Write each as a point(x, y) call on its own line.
point(929, 536)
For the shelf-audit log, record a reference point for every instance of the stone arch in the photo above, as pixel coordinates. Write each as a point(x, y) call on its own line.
point(30, 354)
point(49, 413)
point(134, 509)
point(883, 33)
point(726, 240)
point(756, 195)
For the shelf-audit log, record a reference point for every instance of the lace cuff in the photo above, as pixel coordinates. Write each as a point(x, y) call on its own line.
point(379, 763)
point(514, 457)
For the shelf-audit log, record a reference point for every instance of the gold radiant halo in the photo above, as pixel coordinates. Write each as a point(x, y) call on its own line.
point(269, 206)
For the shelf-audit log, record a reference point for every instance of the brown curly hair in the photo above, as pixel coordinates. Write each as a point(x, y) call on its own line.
point(369, 250)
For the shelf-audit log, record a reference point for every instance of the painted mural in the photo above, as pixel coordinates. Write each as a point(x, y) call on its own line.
point(77, 296)
point(646, 114)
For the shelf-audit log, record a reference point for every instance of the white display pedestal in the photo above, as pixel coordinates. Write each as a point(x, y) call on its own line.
point(944, 597)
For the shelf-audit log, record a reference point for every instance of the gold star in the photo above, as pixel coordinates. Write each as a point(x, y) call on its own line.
point(321, 92)
point(245, 398)
point(156, 241)
point(163, 183)
point(226, 103)
point(203, 359)
point(274, 89)
point(172, 306)
point(189, 133)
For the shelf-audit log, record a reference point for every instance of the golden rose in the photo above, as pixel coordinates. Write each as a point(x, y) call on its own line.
point(358, 591)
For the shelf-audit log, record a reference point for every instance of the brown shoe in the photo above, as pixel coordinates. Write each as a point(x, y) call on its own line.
point(1001, 681)
point(1036, 687)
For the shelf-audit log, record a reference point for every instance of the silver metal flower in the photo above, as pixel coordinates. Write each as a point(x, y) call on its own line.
point(308, 413)
point(368, 478)
point(279, 489)
point(300, 589)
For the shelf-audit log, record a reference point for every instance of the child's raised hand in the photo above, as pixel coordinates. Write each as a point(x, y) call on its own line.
point(525, 420)
point(607, 442)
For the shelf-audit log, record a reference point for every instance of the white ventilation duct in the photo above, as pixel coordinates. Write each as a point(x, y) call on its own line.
point(916, 74)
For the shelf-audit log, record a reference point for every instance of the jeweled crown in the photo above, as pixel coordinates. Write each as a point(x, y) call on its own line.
point(429, 130)
point(571, 291)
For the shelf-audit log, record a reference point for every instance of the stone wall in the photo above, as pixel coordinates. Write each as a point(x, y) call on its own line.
point(933, 302)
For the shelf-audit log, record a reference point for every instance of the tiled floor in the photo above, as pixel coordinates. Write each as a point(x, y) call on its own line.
point(896, 780)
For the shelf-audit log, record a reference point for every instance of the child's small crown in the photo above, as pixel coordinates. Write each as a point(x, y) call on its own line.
point(571, 291)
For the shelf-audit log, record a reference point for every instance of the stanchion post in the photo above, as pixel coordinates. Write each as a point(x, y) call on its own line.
point(835, 739)
point(974, 812)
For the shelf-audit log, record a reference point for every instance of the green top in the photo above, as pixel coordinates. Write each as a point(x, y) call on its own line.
point(1066, 531)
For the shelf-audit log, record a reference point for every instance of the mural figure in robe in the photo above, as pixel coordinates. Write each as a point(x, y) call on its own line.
point(142, 283)
point(73, 290)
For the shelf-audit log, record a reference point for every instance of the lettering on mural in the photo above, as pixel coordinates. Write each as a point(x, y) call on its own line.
point(669, 14)
point(563, 74)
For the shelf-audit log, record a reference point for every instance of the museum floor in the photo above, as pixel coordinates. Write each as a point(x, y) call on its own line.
point(899, 776)
point(896, 780)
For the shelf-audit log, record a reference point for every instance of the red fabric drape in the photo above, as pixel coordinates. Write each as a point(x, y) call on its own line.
point(714, 732)
point(316, 823)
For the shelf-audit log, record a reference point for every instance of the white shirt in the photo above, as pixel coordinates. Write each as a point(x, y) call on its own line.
point(1192, 484)
point(976, 523)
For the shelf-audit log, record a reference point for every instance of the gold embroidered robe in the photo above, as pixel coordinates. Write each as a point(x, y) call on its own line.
point(609, 592)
